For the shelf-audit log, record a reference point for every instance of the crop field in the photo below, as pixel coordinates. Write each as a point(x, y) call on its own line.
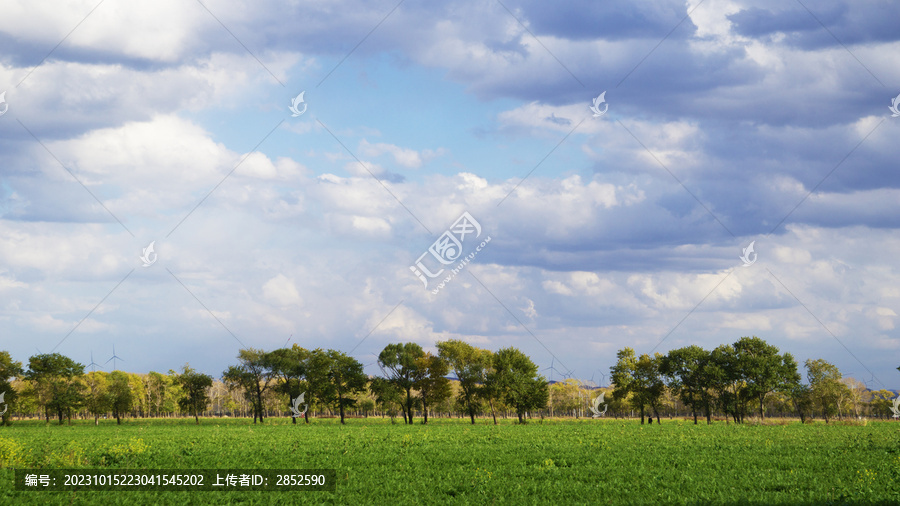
point(453, 462)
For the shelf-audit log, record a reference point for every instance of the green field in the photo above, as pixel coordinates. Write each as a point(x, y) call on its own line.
point(452, 462)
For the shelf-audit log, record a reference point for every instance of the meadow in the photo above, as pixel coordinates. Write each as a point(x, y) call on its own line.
point(451, 461)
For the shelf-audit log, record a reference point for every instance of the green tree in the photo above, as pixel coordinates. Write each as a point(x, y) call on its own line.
point(515, 378)
point(431, 382)
point(400, 360)
point(162, 390)
point(119, 394)
point(686, 370)
point(55, 377)
point(367, 406)
point(825, 385)
point(318, 382)
point(470, 364)
point(97, 400)
point(9, 370)
point(641, 378)
point(650, 381)
point(288, 366)
point(195, 389)
point(345, 379)
point(763, 370)
point(565, 396)
point(724, 378)
point(882, 402)
point(253, 376)
point(801, 398)
point(387, 395)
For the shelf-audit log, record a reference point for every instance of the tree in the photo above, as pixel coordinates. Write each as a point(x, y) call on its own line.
point(318, 383)
point(649, 381)
point(9, 370)
point(119, 394)
point(725, 380)
point(161, 389)
point(430, 381)
point(639, 377)
point(345, 378)
point(825, 385)
point(763, 370)
point(289, 366)
point(252, 376)
point(565, 396)
point(195, 388)
point(367, 405)
point(97, 397)
point(882, 402)
point(470, 364)
point(857, 393)
point(401, 360)
point(801, 398)
point(55, 377)
point(622, 376)
point(514, 377)
point(686, 370)
point(387, 395)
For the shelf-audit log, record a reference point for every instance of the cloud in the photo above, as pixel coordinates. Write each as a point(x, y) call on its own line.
point(281, 291)
point(740, 122)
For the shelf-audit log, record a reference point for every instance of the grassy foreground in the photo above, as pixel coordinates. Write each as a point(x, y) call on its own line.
point(452, 462)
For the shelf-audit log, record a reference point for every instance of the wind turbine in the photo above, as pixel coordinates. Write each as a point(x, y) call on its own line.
point(92, 364)
point(551, 370)
point(603, 376)
point(114, 358)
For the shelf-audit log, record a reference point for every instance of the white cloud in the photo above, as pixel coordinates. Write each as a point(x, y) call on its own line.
point(281, 291)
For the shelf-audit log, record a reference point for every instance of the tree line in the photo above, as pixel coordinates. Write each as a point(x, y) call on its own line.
point(748, 377)
point(735, 379)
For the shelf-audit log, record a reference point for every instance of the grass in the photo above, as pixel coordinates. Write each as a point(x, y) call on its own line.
point(453, 462)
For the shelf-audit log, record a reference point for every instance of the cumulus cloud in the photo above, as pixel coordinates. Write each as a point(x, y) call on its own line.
point(748, 122)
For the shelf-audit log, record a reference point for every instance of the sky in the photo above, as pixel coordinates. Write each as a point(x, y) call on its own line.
point(737, 176)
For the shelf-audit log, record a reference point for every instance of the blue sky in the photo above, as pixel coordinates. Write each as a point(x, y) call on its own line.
point(729, 122)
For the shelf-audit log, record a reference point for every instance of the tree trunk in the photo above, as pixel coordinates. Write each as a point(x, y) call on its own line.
point(642, 415)
point(493, 413)
point(259, 402)
point(409, 406)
